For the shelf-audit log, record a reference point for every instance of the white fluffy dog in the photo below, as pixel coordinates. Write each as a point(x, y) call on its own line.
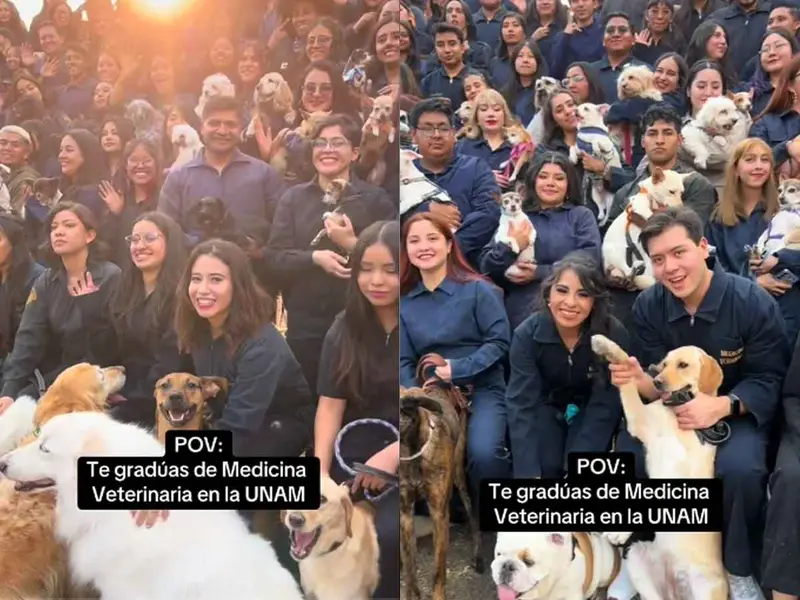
point(415, 188)
point(636, 81)
point(204, 555)
point(711, 137)
point(217, 84)
point(16, 423)
point(546, 566)
point(511, 212)
point(187, 141)
point(594, 139)
point(623, 255)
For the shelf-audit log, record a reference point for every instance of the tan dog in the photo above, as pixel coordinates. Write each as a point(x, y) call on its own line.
point(336, 546)
point(185, 402)
point(32, 562)
point(672, 453)
point(636, 81)
point(376, 135)
point(272, 96)
point(279, 159)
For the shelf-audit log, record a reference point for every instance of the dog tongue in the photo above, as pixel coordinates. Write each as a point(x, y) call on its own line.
point(506, 593)
point(303, 540)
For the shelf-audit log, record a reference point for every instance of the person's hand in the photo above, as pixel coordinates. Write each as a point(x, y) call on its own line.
point(49, 68)
point(644, 38)
point(444, 373)
point(572, 27)
point(776, 287)
point(448, 211)
point(590, 163)
point(111, 197)
point(528, 274)
point(625, 373)
point(393, 90)
point(254, 251)
point(148, 518)
point(541, 33)
point(764, 266)
point(82, 286)
point(366, 21)
point(5, 403)
point(793, 148)
point(521, 233)
point(387, 460)
point(263, 139)
point(342, 235)
point(332, 263)
point(702, 412)
point(279, 34)
point(501, 179)
point(27, 57)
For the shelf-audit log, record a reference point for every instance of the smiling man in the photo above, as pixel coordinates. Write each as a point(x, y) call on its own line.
point(618, 40)
point(16, 147)
point(740, 326)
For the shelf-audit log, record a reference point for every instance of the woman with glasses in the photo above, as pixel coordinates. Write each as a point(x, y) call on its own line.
point(66, 320)
point(658, 37)
point(143, 311)
point(582, 82)
point(133, 193)
point(325, 41)
point(777, 49)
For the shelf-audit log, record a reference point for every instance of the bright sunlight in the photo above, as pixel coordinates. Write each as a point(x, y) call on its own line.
point(158, 8)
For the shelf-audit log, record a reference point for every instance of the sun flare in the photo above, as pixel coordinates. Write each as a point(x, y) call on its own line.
point(162, 8)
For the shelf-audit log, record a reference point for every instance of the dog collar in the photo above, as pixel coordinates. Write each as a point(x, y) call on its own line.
point(333, 548)
point(716, 434)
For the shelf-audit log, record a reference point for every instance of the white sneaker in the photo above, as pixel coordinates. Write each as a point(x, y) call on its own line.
point(744, 588)
point(423, 526)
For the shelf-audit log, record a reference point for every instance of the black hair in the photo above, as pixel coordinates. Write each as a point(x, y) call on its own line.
point(341, 96)
point(361, 339)
point(350, 129)
point(683, 68)
point(793, 7)
point(95, 166)
point(676, 216)
point(469, 22)
point(703, 65)
point(618, 14)
point(596, 93)
point(97, 248)
point(514, 86)
point(447, 28)
point(552, 130)
point(696, 50)
point(435, 104)
point(221, 104)
point(661, 112)
point(533, 20)
point(574, 187)
point(502, 49)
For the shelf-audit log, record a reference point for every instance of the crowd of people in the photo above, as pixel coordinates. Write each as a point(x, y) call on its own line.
point(521, 341)
point(116, 249)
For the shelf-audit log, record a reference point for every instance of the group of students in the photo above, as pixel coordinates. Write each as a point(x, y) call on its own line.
point(522, 342)
point(105, 255)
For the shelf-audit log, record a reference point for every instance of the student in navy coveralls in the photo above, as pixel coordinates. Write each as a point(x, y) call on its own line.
point(447, 308)
point(559, 400)
point(740, 325)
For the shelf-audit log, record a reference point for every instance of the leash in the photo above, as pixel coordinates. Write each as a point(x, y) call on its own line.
point(392, 479)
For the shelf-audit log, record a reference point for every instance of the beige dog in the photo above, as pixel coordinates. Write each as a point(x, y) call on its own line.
point(672, 453)
point(272, 96)
point(336, 546)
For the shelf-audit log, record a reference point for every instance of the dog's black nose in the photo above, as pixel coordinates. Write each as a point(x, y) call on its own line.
point(508, 567)
point(175, 397)
point(296, 521)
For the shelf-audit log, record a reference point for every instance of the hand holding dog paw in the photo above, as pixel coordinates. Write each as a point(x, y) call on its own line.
point(624, 373)
point(521, 234)
point(590, 163)
point(701, 412)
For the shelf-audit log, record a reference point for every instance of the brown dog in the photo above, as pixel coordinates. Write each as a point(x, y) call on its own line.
point(32, 562)
point(433, 437)
point(187, 402)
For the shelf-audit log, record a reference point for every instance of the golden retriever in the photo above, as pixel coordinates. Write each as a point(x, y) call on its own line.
point(33, 564)
point(336, 546)
point(187, 402)
point(672, 453)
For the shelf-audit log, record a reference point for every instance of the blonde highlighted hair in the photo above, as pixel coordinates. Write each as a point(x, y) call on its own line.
point(487, 97)
point(730, 207)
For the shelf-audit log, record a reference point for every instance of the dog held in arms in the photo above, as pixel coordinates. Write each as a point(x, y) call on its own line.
point(122, 560)
point(623, 255)
point(783, 223)
point(676, 566)
point(33, 564)
point(188, 403)
point(511, 213)
point(336, 546)
point(553, 566)
point(433, 437)
point(712, 135)
point(415, 188)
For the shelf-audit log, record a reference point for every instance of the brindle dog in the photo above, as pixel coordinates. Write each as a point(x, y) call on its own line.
point(433, 437)
point(187, 402)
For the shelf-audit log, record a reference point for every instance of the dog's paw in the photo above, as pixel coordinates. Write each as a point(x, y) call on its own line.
point(602, 346)
point(617, 538)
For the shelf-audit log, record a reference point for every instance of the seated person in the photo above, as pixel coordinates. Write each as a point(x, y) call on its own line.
point(740, 326)
point(558, 400)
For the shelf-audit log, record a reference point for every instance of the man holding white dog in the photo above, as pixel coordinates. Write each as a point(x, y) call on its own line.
point(740, 325)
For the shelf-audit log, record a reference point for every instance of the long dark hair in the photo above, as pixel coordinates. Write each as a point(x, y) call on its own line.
point(683, 69)
point(696, 49)
point(94, 168)
point(783, 97)
point(552, 130)
point(502, 50)
point(515, 86)
point(469, 22)
point(596, 93)
point(574, 195)
point(131, 293)
point(153, 149)
point(457, 266)
point(534, 21)
point(97, 248)
point(593, 281)
point(13, 228)
point(251, 307)
point(341, 95)
point(361, 346)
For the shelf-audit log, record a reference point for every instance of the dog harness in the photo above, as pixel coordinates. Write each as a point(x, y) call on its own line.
point(583, 543)
point(516, 153)
point(432, 195)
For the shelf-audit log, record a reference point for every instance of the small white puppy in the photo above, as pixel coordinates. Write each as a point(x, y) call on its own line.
point(217, 84)
point(593, 138)
point(623, 255)
point(552, 566)
point(511, 212)
point(415, 188)
point(187, 141)
point(711, 137)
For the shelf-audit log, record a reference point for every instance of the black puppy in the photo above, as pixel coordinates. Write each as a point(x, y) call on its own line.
point(210, 219)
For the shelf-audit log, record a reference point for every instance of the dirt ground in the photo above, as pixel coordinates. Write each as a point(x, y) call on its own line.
point(463, 583)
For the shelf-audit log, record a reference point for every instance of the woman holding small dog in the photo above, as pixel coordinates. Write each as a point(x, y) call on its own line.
point(563, 225)
point(558, 398)
point(358, 379)
point(448, 309)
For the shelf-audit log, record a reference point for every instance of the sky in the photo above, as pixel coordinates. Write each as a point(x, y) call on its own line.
point(30, 8)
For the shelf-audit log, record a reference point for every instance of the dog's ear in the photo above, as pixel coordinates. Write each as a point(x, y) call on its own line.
point(497, 197)
point(603, 108)
point(347, 505)
point(710, 375)
point(658, 175)
point(212, 386)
